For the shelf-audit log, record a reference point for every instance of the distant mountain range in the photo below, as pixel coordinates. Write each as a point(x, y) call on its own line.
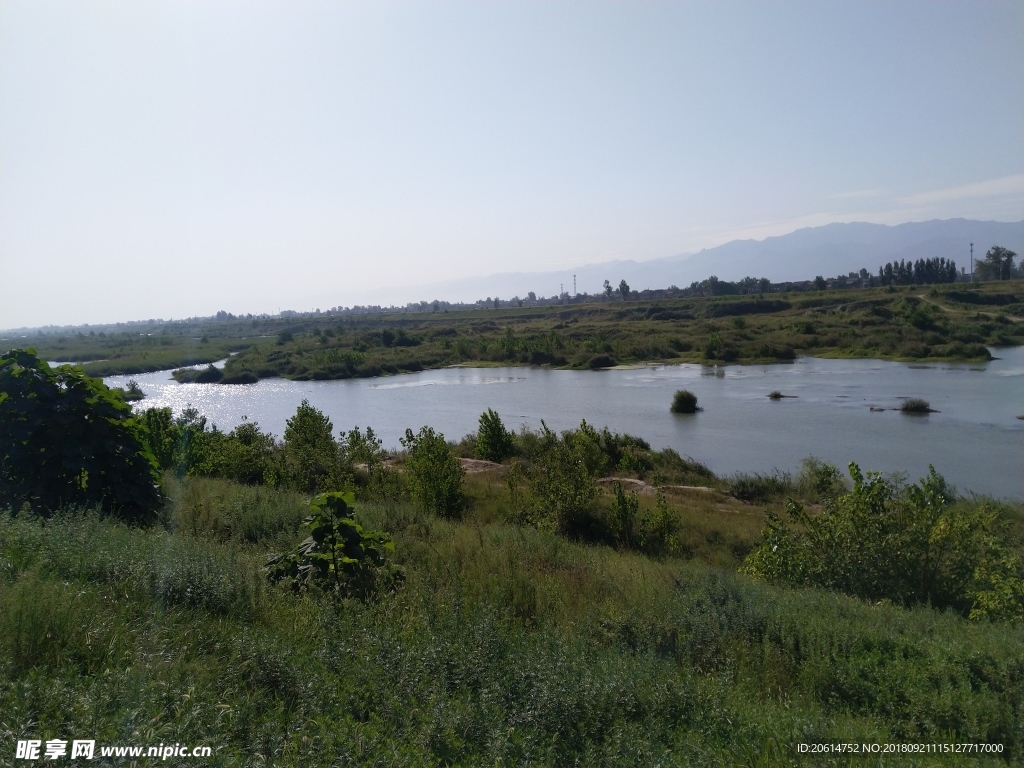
point(829, 250)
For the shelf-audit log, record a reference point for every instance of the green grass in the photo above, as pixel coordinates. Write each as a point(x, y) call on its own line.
point(504, 646)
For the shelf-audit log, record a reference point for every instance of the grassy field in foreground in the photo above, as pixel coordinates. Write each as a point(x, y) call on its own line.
point(944, 322)
point(504, 646)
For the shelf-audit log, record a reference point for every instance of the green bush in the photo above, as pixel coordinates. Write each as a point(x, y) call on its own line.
point(561, 479)
point(209, 375)
point(684, 401)
point(435, 473)
point(818, 480)
point(908, 545)
point(246, 455)
point(494, 442)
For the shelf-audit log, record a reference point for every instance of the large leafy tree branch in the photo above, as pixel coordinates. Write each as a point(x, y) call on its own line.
point(68, 440)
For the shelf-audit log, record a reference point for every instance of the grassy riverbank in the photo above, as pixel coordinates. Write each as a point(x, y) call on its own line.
point(504, 645)
point(946, 322)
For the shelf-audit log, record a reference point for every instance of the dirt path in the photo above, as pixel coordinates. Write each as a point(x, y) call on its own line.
point(475, 466)
point(1011, 318)
point(644, 488)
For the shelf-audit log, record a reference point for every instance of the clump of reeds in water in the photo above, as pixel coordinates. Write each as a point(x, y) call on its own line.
point(915, 405)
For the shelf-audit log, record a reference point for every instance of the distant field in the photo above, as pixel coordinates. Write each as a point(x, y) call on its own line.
point(947, 322)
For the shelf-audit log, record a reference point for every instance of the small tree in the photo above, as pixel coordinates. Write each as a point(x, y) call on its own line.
point(159, 434)
point(364, 448)
point(67, 439)
point(338, 555)
point(608, 290)
point(494, 442)
point(311, 454)
point(435, 473)
point(624, 289)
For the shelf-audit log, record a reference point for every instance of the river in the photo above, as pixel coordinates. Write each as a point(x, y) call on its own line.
point(975, 439)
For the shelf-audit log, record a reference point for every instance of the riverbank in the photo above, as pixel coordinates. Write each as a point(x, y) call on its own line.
point(914, 323)
point(891, 324)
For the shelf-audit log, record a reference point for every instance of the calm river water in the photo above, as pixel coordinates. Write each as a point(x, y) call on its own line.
point(975, 440)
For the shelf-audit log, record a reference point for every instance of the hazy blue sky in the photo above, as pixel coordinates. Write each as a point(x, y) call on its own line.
point(165, 159)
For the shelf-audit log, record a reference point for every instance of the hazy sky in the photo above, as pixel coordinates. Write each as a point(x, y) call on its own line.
point(166, 159)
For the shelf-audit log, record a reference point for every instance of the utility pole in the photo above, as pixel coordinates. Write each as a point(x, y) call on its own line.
point(972, 262)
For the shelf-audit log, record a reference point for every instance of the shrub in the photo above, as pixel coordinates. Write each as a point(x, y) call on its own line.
point(909, 545)
point(435, 473)
point(684, 401)
point(775, 395)
point(494, 442)
point(338, 555)
point(247, 455)
point(915, 405)
point(819, 480)
point(562, 480)
point(381, 482)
